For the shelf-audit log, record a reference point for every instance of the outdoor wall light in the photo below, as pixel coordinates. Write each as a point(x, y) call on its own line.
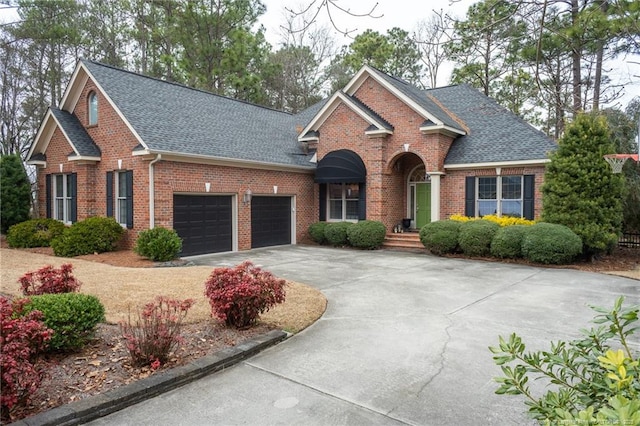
point(246, 198)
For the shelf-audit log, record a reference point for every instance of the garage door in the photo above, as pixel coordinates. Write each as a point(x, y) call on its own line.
point(204, 223)
point(270, 221)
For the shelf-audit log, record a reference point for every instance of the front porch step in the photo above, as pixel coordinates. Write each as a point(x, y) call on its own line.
point(409, 240)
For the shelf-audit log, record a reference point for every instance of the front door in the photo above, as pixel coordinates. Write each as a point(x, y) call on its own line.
point(423, 204)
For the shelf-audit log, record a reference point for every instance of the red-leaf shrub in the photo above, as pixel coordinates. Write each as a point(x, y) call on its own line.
point(239, 295)
point(49, 280)
point(156, 331)
point(21, 340)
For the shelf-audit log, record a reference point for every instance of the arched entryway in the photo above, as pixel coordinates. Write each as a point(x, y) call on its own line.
point(419, 197)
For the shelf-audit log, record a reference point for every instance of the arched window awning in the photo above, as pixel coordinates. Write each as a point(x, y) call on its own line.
point(342, 165)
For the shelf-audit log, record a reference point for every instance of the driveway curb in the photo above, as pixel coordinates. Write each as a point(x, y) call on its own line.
point(97, 406)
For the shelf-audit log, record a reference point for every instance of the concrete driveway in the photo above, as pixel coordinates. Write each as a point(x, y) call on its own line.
point(403, 341)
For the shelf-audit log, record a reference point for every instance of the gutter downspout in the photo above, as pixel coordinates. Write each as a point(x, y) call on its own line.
point(152, 192)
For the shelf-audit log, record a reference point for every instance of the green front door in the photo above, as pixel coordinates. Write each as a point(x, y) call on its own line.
point(423, 204)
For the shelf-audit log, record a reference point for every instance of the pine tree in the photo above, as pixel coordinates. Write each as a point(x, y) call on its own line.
point(15, 192)
point(580, 190)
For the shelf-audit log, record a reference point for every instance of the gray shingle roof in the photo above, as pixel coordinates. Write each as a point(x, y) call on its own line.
point(174, 118)
point(77, 134)
point(495, 135)
point(374, 115)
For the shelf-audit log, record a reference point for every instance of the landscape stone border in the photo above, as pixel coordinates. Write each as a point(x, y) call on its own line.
point(91, 408)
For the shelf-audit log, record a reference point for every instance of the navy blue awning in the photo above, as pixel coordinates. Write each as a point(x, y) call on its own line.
point(341, 166)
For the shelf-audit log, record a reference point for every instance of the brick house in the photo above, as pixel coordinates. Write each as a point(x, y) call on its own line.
point(228, 175)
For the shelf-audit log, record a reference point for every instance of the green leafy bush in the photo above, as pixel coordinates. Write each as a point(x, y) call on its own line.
point(316, 231)
point(239, 295)
point(34, 233)
point(158, 244)
point(593, 380)
point(366, 234)
point(73, 317)
point(92, 235)
point(336, 233)
point(475, 237)
point(15, 192)
point(550, 243)
point(441, 237)
point(507, 243)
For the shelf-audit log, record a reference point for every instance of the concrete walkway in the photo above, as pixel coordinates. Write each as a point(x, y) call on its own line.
point(403, 342)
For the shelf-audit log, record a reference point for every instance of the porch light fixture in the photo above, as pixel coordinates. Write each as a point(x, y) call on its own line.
point(246, 198)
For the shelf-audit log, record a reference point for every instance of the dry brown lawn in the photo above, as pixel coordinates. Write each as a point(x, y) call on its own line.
point(122, 290)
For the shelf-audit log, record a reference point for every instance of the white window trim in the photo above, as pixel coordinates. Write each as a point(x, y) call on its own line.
point(119, 199)
point(499, 198)
point(344, 204)
point(65, 197)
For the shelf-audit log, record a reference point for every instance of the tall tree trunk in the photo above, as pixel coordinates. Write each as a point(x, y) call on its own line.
point(576, 56)
point(604, 5)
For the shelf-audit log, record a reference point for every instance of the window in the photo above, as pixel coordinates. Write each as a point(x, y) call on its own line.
point(343, 201)
point(500, 195)
point(93, 109)
point(120, 197)
point(61, 197)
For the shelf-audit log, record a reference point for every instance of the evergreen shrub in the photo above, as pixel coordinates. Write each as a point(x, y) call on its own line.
point(15, 192)
point(336, 233)
point(34, 233)
point(158, 244)
point(475, 237)
point(316, 232)
point(366, 234)
point(92, 235)
point(441, 237)
point(73, 317)
point(550, 243)
point(507, 243)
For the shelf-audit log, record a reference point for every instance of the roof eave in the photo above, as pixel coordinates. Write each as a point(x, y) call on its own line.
point(447, 130)
point(87, 158)
point(221, 161)
point(487, 165)
point(39, 163)
point(378, 133)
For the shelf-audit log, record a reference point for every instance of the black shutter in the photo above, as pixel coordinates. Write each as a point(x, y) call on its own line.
point(73, 214)
point(48, 195)
point(129, 178)
point(323, 202)
point(362, 202)
point(529, 196)
point(470, 196)
point(109, 194)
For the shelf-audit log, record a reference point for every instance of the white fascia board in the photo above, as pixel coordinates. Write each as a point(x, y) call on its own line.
point(44, 134)
point(37, 163)
point(328, 109)
point(74, 88)
point(221, 161)
point(517, 163)
point(367, 71)
point(378, 132)
point(441, 129)
point(309, 139)
point(83, 158)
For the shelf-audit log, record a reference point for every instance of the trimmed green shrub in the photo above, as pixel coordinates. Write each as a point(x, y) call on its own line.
point(34, 233)
point(336, 233)
point(550, 243)
point(475, 237)
point(366, 234)
point(440, 237)
point(507, 243)
point(15, 192)
point(92, 235)
point(73, 318)
point(158, 244)
point(316, 231)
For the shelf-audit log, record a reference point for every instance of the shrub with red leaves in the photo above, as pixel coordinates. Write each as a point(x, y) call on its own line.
point(21, 340)
point(239, 295)
point(156, 332)
point(49, 280)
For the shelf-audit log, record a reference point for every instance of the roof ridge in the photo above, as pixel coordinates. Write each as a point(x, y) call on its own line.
point(450, 113)
point(184, 86)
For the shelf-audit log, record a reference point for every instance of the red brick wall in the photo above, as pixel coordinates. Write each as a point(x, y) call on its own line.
point(117, 142)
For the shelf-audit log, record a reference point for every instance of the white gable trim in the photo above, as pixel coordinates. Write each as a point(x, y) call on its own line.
point(44, 135)
point(328, 108)
point(366, 71)
point(74, 89)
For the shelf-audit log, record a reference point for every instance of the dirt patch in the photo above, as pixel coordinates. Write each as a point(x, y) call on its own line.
point(123, 282)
